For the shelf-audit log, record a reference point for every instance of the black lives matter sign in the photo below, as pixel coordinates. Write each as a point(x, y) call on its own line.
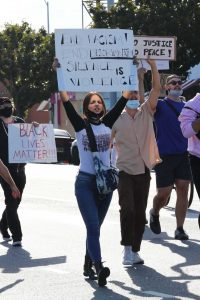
point(29, 143)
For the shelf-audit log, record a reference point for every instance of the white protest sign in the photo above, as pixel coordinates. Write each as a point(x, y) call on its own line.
point(161, 64)
point(95, 60)
point(155, 47)
point(28, 143)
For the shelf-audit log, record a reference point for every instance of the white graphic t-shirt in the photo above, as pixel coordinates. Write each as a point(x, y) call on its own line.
point(103, 138)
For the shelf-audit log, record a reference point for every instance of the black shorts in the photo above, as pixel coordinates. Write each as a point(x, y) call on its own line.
point(171, 168)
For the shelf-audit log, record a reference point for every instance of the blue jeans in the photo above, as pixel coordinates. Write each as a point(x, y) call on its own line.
point(93, 208)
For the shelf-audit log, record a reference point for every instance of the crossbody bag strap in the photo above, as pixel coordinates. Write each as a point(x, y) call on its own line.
point(91, 137)
point(198, 114)
point(173, 108)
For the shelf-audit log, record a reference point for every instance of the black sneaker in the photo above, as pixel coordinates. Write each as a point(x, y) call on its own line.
point(180, 234)
point(5, 235)
point(154, 223)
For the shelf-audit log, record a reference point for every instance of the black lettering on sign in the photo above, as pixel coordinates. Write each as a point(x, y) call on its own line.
point(155, 52)
point(109, 39)
point(62, 40)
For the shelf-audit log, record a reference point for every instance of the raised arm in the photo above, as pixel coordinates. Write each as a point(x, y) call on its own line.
point(141, 72)
point(5, 174)
point(63, 94)
point(75, 119)
point(155, 91)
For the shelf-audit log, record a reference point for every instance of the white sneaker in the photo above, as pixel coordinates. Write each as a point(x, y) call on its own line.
point(137, 259)
point(127, 256)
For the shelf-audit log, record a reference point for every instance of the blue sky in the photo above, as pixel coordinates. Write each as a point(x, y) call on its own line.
point(195, 72)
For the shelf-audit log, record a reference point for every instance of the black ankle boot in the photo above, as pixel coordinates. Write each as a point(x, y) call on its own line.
point(87, 268)
point(102, 273)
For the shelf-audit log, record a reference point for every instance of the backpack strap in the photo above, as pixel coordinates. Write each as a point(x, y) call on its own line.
point(172, 108)
point(198, 114)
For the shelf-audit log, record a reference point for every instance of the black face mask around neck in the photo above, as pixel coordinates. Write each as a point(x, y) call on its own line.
point(93, 117)
point(6, 112)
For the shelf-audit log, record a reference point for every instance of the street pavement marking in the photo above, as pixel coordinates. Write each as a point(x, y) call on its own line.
point(153, 293)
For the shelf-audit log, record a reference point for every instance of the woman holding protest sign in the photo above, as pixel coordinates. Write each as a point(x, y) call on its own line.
point(93, 206)
point(10, 219)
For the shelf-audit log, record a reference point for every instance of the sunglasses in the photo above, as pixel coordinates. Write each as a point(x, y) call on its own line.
point(174, 82)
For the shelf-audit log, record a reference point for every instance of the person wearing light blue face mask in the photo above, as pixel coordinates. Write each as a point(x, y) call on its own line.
point(137, 153)
point(175, 167)
point(133, 104)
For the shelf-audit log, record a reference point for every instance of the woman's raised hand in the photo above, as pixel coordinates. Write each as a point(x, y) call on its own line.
point(127, 94)
point(63, 94)
point(55, 64)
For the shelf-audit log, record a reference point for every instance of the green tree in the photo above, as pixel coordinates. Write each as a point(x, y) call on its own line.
point(180, 18)
point(25, 64)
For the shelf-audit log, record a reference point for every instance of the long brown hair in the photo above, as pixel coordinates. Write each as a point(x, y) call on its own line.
point(86, 102)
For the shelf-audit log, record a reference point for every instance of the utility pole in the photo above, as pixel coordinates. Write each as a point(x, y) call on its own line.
point(48, 31)
point(112, 95)
point(110, 3)
point(47, 4)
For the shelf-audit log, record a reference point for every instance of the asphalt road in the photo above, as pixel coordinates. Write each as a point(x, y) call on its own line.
point(49, 265)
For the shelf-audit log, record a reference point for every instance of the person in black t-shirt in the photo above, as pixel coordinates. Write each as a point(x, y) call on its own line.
point(10, 220)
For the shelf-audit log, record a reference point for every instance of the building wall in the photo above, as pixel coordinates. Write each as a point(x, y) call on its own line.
point(41, 116)
point(62, 121)
point(65, 123)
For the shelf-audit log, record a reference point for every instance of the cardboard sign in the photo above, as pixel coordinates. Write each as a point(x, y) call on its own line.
point(95, 60)
point(155, 47)
point(28, 143)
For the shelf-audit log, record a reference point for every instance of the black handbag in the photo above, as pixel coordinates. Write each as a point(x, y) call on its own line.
point(107, 177)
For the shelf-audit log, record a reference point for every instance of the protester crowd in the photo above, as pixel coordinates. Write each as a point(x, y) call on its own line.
point(163, 135)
